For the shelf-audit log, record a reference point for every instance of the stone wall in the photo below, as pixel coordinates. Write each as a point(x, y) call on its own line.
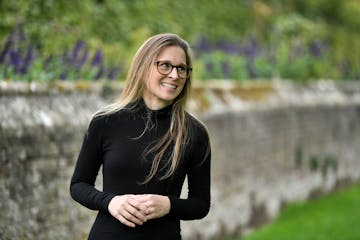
point(295, 143)
point(272, 144)
point(40, 135)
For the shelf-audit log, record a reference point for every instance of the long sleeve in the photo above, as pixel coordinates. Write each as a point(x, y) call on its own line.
point(197, 204)
point(82, 187)
point(116, 143)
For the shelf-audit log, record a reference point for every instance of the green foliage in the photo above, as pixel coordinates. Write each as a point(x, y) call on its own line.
point(264, 67)
point(218, 65)
point(280, 27)
point(314, 163)
point(330, 163)
point(332, 217)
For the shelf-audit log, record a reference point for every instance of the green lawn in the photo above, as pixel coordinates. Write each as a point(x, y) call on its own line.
point(332, 217)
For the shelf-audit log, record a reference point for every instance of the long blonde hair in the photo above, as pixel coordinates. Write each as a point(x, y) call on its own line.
point(178, 134)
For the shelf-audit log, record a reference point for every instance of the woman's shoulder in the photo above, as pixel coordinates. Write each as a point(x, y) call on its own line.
point(97, 121)
point(103, 117)
point(197, 127)
point(199, 140)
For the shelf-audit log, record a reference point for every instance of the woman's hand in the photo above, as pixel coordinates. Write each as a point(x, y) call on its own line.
point(156, 205)
point(128, 210)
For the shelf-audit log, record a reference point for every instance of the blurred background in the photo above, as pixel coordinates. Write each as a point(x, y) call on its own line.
point(277, 84)
point(232, 39)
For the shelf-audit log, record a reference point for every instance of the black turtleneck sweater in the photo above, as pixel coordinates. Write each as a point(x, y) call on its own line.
point(117, 143)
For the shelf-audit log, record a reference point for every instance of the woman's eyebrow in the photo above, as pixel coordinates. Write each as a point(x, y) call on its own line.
point(178, 65)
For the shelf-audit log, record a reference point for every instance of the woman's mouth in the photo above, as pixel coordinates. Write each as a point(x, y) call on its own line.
point(169, 85)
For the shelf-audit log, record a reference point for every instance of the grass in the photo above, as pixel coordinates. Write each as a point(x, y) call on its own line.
point(332, 217)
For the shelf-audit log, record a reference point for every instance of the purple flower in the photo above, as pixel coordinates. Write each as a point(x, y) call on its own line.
point(318, 48)
point(113, 72)
point(21, 34)
point(228, 47)
point(98, 58)
point(251, 48)
point(17, 56)
point(80, 45)
point(204, 45)
point(15, 60)
point(28, 60)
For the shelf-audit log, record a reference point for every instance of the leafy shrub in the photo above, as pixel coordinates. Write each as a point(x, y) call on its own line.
point(20, 60)
point(293, 39)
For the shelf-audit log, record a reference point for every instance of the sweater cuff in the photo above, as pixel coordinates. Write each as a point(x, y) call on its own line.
point(106, 201)
point(173, 205)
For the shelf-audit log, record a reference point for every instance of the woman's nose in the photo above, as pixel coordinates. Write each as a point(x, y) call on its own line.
point(174, 74)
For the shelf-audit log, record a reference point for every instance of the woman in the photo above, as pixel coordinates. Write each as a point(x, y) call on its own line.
point(146, 144)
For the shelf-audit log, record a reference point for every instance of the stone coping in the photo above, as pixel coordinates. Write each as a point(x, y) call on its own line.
point(56, 87)
point(59, 87)
point(211, 96)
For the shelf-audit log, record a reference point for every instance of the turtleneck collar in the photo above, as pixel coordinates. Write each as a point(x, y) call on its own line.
point(159, 113)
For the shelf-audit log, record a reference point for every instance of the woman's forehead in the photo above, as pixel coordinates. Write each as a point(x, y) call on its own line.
point(174, 54)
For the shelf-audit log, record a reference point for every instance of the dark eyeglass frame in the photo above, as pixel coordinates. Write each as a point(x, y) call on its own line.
point(161, 71)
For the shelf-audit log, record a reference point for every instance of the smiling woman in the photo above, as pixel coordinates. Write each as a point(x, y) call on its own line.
point(146, 144)
point(164, 83)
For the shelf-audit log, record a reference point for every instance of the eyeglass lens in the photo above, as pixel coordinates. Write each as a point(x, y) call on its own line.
point(165, 67)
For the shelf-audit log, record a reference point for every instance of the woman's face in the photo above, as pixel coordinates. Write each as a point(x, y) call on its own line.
point(161, 89)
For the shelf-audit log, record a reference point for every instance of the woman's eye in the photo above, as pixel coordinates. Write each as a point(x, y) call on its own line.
point(165, 66)
point(181, 69)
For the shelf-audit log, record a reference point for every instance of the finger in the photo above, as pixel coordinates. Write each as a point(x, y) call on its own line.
point(134, 215)
point(142, 209)
point(125, 221)
point(137, 203)
point(140, 206)
point(151, 215)
point(131, 218)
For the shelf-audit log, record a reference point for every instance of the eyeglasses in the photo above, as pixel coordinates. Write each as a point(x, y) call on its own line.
point(165, 68)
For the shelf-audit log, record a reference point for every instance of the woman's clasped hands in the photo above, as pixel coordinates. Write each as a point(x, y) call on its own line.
point(132, 210)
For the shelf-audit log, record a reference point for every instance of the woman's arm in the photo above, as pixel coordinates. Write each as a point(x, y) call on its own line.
point(82, 186)
point(125, 208)
point(197, 204)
